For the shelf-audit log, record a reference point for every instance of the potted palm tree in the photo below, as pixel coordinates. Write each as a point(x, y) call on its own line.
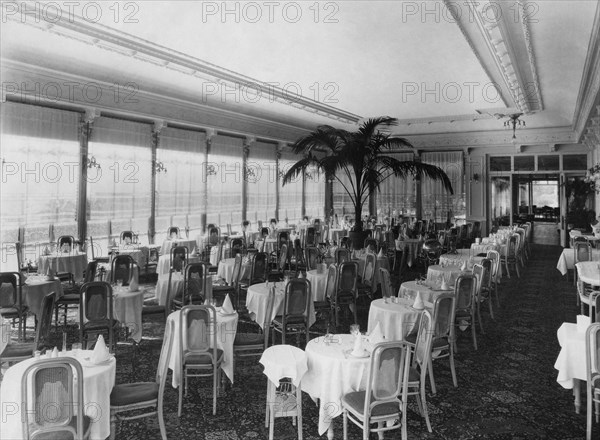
point(360, 157)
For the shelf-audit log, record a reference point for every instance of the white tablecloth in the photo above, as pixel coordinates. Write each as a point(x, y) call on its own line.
point(127, 307)
point(318, 282)
point(435, 273)
point(164, 263)
point(5, 330)
point(162, 286)
point(483, 248)
point(571, 359)
point(256, 302)
point(409, 290)
point(379, 262)
point(396, 320)
point(566, 261)
point(225, 270)
point(72, 263)
point(36, 288)
point(98, 382)
point(331, 374)
point(138, 253)
point(226, 330)
point(459, 257)
point(410, 249)
point(168, 244)
point(589, 272)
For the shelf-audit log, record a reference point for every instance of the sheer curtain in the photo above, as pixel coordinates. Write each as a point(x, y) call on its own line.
point(119, 193)
point(342, 204)
point(397, 194)
point(179, 191)
point(224, 181)
point(261, 181)
point(437, 202)
point(40, 177)
point(290, 195)
point(314, 193)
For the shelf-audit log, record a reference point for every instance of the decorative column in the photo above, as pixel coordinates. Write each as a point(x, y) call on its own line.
point(85, 132)
point(278, 179)
point(210, 134)
point(156, 129)
point(247, 143)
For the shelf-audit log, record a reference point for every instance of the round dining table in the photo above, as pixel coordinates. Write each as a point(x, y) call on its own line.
point(36, 288)
point(70, 262)
point(169, 243)
point(332, 373)
point(225, 269)
point(396, 319)
point(98, 382)
point(162, 286)
point(164, 263)
point(256, 302)
point(127, 307)
point(458, 258)
point(429, 291)
point(318, 283)
point(436, 272)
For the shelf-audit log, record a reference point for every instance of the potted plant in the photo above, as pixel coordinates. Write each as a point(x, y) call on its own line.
point(360, 156)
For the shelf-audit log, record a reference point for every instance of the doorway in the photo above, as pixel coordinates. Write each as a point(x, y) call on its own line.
point(537, 200)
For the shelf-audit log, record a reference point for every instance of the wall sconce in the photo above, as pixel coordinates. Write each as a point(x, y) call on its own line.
point(476, 177)
point(92, 163)
point(159, 167)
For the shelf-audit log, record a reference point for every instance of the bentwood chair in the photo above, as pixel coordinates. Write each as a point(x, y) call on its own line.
point(421, 361)
point(296, 307)
point(11, 301)
point(341, 255)
point(198, 349)
point(485, 289)
point(582, 251)
point(54, 383)
point(173, 232)
point(592, 352)
point(311, 255)
point(126, 237)
point(364, 289)
point(18, 351)
point(495, 257)
point(465, 291)
point(68, 241)
point(511, 257)
point(345, 294)
point(386, 283)
point(96, 312)
point(122, 269)
point(384, 402)
point(128, 397)
point(194, 285)
point(73, 298)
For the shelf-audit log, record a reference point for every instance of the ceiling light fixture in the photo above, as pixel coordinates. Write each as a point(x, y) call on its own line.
point(514, 122)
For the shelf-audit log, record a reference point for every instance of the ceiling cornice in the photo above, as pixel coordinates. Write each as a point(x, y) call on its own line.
point(590, 82)
point(71, 26)
point(197, 115)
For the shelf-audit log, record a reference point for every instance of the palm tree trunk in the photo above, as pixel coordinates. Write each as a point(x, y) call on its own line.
point(358, 224)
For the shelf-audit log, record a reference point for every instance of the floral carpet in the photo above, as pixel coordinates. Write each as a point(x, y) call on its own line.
point(506, 390)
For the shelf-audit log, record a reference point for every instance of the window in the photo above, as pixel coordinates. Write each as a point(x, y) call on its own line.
point(575, 162)
point(438, 203)
point(261, 179)
point(524, 163)
point(180, 190)
point(314, 193)
point(502, 163)
point(549, 163)
point(40, 177)
point(224, 181)
point(397, 194)
point(119, 193)
point(290, 195)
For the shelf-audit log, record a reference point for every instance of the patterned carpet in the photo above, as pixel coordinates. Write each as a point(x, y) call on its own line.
point(507, 389)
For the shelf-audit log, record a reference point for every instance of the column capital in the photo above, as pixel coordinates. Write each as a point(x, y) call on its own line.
point(158, 125)
point(91, 114)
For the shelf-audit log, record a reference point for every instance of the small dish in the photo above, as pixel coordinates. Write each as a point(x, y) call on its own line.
point(89, 359)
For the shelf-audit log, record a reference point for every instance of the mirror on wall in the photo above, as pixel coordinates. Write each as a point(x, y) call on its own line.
point(500, 201)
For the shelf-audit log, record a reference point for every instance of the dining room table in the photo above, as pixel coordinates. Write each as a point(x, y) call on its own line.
point(318, 283)
point(571, 360)
point(459, 257)
point(332, 373)
point(396, 317)
point(171, 242)
point(487, 245)
point(164, 263)
point(5, 331)
point(139, 253)
point(429, 291)
point(68, 262)
point(36, 287)
point(381, 261)
point(437, 272)
point(226, 331)
point(589, 272)
point(566, 261)
point(162, 286)
point(256, 302)
point(225, 269)
point(98, 382)
point(127, 307)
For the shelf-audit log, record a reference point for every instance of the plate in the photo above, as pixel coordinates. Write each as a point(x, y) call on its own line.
point(418, 310)
point(226, 314)
point(89, 359)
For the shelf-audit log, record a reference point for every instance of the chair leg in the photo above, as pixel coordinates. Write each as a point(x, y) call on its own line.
point(215, 385)
point(479, 317)
point(431, 378)
point(424, 403)
point(113, 425)
point(517, 270)
point(490, 305)
point(180, 406)
point(161, 422)
point(299, 407)
point(590, 394)
point(453, 367)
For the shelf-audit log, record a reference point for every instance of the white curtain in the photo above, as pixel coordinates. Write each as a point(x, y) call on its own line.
point(119, 193)
point(437, 202)
point(397, 194)
point(180, 189)
point(290, 195)
point(314, 193)
point(224, 181)
point(261, 181)
point(40, 175)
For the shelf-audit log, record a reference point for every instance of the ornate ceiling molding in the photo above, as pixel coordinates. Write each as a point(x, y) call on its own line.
point(71, 26)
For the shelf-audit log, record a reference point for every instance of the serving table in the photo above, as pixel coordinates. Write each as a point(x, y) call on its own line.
point(98, 382)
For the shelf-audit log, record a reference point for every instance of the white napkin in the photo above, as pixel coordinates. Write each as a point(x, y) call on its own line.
point(464, 266)
point(46, 250)
point(583, 323)
point(376, 336)
point(444, 284)
point(418, 304)
point(358, 346)
point(301, 275)
point(227, 307)
point(134, 284)
point(50, 273)
point(100, 353)
point(380, 254)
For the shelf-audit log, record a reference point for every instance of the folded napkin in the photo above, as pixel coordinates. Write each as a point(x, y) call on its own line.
point(301, 275)
point(418, 304)
point(444, 284)
point(227, 307)
point(583, 322)
point(380, 254)
point(358, 349)
point(50, 273)
point(464, 266)
point(376, 335)
point(101, 352)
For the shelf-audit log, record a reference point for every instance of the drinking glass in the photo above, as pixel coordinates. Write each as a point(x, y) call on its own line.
point(119, 283)
point(354, 329)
